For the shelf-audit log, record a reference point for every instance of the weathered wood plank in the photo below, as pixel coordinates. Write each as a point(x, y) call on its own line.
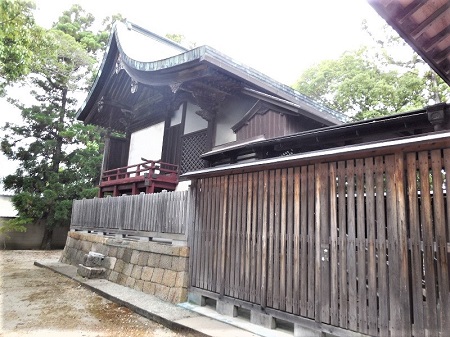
point(361, 247)
point(311, 244)
point(283, 225)
point(351, 247)
point(259, 237)
point(383, 276)
point(232, 238)
point(276, 248)
point(372, 313)
point(244, 250)
point(297, 285)
point(270, 270)
point(289, 239)
point(428, 246)
point(237, 266)
point(334, 253)
point(224, 222)
point(264, 260)
point(248, 240)
point(416, 254)
point(254, 238)
point(342, 222)
point(441, 242)
point(304, 197)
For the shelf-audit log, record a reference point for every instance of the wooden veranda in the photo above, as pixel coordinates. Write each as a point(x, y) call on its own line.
point(352, 238)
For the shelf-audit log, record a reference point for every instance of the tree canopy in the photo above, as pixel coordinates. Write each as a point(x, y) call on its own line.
point(19, 37)
point(59, 158)
point(374, 80)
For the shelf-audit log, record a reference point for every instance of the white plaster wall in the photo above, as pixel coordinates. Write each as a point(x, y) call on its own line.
point(146, 143)
point(231, 113)
point(193, 121)
point(183, 185)
point(177, 116)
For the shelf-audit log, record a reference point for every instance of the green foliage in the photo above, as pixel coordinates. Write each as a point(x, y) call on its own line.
point(373, 81)
point(19, 38)
point(59, 158)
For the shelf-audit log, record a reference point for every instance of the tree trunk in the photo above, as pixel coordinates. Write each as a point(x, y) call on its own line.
point(46, 243)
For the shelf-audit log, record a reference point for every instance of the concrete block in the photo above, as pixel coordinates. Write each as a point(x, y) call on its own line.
point(149, 288)
point(226, 309)
point(139, 285)
point(180, 263)
point(110, 262)
point(120, 265)
point(90, 272)
point(122, 279)
point(182, 280)
point(113, 276)
point(196, 299)
point(264, 320)
point(162, 292)
point(301, 331)
point(184, 252)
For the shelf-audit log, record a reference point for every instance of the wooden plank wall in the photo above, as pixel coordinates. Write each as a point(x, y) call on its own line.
point(360, 244)
point(165, 212)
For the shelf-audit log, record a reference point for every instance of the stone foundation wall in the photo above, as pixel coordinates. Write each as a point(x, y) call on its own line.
point(155, 268)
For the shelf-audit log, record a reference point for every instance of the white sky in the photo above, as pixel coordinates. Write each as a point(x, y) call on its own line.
point(278, 38)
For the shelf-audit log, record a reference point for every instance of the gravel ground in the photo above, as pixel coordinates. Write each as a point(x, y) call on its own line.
point(38, 302)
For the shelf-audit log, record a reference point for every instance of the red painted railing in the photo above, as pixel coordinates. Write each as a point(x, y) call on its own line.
point(149, 175)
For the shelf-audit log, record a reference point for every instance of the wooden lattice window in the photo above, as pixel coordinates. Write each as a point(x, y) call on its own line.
point(192, 146)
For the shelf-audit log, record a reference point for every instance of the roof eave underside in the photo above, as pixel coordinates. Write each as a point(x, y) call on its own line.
point(425, 26)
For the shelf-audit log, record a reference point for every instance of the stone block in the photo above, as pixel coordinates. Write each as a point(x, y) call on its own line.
point(147, 273)
point(130, 282)
point(169, 278)
point(86, 246)
point(153, 260)
point(138, 285)
point(157, 276)
point(90, 272)
point(122, 279)
point(127, 269)
point(197, 299)
point(136, 272)
point(165, 262)
point(162, 292)
point(180, 263)
point(120, 252)
point(183, 251)
point(127, 255)
point(110, 262)
point(149, 288)
point(301, 331)
point(112, 251)
point(93, 259)
point(113, 276)
point(182, 280)
point(143, 259)
point(226, 309)
point(135, 257)
point(262, 319)
point(120, 265)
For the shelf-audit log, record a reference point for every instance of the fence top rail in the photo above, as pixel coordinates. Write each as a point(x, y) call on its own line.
point(373, 148)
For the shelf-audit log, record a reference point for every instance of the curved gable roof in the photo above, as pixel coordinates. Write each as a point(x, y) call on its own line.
point(173, 65)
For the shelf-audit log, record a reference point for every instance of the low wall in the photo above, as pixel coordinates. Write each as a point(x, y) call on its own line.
point(154, 268)
point(32, 238)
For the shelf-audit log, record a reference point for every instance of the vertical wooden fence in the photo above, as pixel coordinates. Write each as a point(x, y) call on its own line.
point(143, 214)
point(356, 241)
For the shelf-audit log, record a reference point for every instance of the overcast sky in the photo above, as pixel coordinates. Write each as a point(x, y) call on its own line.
point(278, 38)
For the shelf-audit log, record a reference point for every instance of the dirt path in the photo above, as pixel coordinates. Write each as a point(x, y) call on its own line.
point(38, 302)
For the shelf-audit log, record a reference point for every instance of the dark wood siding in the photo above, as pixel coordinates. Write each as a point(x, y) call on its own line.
point(171, 145)
point(271, 124)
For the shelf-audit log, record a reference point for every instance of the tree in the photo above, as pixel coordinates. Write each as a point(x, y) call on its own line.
point(374, 80)
point(59, 158)
point(19, 38)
